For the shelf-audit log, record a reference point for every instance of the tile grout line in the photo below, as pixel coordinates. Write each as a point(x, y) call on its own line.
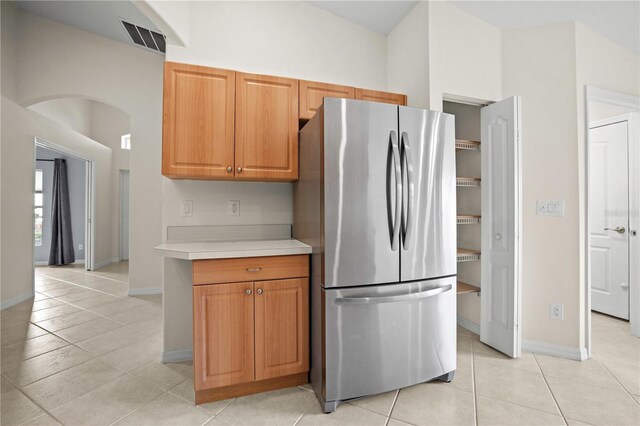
point(473, 380)
point(564, 419)
point(44, 410)
point(393, 404)
point(616, 379)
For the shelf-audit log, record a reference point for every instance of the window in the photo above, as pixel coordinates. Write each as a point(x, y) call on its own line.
point(125, 142)
point(37, 208)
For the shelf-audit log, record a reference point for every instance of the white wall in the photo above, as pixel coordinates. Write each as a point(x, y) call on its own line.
point(289, 39)
point(19, 127)
point(75, 113)
point(171, 17)
point(81, 64)
point(108, 124)
point(408, 57)
point(464, 55)
point(539, 64)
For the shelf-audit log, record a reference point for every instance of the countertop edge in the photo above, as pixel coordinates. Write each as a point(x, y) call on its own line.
point(228, 254)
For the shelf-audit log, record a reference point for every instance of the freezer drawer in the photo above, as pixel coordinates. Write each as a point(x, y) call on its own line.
point(380, 338)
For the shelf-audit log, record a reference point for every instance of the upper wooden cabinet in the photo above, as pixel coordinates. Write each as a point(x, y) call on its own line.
point(197, 127)
point(220, 124)
point(386, 97)
point(266, 127)
point(312, 93)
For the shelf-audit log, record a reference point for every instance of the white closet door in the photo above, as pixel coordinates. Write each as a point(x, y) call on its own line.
point(501, 283)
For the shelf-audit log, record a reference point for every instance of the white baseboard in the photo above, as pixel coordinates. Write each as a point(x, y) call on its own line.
point(560, 351)
point(145, 291)
point(15, 300)
point(105, 263)
point(177, 356)
point(471, 326)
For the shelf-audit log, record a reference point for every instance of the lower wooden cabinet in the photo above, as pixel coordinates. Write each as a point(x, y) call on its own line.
point(223, 323)
point(282, 328)
point(250, 336)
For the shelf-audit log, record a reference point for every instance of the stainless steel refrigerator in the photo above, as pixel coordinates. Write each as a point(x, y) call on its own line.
point(376, 200)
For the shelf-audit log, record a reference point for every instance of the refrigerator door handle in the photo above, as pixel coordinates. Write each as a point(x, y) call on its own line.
point(390, 299)
point(407, 167)
point(395, 212)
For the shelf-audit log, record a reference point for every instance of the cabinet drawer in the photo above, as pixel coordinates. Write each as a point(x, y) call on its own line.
point(212, 271)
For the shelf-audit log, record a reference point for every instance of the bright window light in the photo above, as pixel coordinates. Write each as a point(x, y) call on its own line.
point(125, 142)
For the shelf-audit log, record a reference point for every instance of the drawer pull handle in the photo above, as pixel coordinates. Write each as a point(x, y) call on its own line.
point(254, 269)
point(259, 291)
point(247, 291)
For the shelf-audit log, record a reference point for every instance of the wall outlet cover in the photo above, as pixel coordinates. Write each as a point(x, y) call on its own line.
point(557, 311)
point(234, 207)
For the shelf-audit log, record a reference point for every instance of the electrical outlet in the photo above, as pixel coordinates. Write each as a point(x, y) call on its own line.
point(187, 208)
point(234, 207)
point(557, 311)
point(80, 246)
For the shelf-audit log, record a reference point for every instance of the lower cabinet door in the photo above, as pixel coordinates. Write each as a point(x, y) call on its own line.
point(223, 325)
point(282, 327)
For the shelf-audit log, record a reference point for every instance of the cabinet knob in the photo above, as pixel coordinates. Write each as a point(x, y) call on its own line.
point(247, 291)
point(259, 291)
point(229, 169)
point(239, 169)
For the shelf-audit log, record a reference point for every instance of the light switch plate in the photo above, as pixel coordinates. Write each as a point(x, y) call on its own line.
point(550, 208)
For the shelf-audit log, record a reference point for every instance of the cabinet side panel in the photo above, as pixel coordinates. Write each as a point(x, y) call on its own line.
point(308, 210)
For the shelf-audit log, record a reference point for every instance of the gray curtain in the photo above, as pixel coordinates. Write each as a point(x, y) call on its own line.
point(61, 236)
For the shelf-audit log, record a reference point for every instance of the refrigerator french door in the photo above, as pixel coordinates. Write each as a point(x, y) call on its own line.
point(376, 200)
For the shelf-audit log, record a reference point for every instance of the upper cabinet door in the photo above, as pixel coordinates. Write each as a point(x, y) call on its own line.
point(501, 298)
point(385, 97)
point(312, 93)
point(198, 133)
point(266, 128)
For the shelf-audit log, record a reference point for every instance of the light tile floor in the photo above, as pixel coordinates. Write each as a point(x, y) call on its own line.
point(84, 353)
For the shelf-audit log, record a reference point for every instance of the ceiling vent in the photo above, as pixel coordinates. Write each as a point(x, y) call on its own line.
point(143, 37)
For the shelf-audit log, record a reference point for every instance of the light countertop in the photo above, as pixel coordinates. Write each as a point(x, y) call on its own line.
point(231, 249)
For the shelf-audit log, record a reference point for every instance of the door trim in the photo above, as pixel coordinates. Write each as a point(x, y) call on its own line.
point(633, 104)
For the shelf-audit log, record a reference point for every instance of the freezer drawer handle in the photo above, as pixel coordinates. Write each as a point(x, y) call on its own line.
point(390, 299)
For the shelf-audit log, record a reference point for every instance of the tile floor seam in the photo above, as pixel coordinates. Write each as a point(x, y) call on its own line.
point(555, 401)
point(84, 273)
point(227, 404)
point(84, 322)
point(619, 382)
point(81, 286)
point(473, 383)
point(44, 410)
point(57, 372)
point(393, 404)
point(140, 407)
